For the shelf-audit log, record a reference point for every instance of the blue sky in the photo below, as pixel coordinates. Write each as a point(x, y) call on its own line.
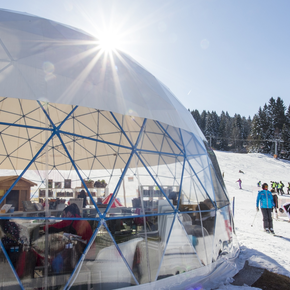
point(214, 55)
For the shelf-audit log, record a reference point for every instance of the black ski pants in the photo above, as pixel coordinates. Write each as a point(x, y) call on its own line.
point(267, 217)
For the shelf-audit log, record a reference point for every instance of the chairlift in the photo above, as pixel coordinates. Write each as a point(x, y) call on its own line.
point(283, 151)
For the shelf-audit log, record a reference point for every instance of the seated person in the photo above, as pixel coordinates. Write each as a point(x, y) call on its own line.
point(77, 227)
point(83, 195)
point(66, 259)
point(22, 260)
point(173, 195)
point(207, 216)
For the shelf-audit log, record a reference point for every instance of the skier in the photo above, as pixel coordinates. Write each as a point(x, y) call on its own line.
point(288, 188)
point(240, 183)
point(281, 187)
point(276, 186)
point(265, 199)
point(273, 185)
point(259, 183)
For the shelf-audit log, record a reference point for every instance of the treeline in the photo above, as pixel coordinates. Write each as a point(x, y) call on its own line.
point(267, 132)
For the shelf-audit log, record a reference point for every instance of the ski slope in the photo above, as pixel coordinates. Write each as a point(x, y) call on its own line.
point(259, 248)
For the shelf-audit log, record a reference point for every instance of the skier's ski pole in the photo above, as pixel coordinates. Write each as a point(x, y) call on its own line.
point(254, 218)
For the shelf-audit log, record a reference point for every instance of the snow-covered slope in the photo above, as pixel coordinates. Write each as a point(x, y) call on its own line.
point(259, 248)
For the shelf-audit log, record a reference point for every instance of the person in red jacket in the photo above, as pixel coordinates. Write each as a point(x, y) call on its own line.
point(77, 227)
point(66, 260)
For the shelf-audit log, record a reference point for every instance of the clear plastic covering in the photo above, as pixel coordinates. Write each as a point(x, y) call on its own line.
point(105, 201)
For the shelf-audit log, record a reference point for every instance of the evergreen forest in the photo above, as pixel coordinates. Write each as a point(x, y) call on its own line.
point(268, 131)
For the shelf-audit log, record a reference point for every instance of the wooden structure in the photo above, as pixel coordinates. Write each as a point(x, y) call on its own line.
point(19, 193)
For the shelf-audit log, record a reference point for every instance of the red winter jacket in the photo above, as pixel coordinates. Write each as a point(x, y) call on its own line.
point(77, 227)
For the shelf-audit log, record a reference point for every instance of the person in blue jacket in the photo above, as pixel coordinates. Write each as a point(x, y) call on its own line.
point(267, 204)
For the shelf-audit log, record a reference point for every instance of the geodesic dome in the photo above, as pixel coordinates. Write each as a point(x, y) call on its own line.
point(74, 118)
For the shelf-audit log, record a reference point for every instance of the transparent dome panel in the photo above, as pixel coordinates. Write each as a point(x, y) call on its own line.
point(203, 174)
point(92, 155)
point(97, 124)
point(131, 126)
point(223, 232)
point(8, 276)
point(201, 238)
point(174, 133)
point(215, 164)
point(22, 112)
point(198, 163)
point(179, 255)
point(19, 151)
point(220, 194)
point(192, 145)
point(111, 267)
point(193, 190)
point(165, 178)
point(137, 192)
point(156, 139)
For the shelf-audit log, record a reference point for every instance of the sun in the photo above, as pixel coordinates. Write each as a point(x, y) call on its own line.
point(109, 40)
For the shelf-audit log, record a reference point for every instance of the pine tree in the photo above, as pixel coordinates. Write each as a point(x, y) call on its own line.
point(222, 133)
point(203, 116)
point(256, 133)
point(216, 123)
point(287, 117)
point(229, 125)
point(276, 113)
point(195, 114)
point(209, 127)
point(259, 131)
point(237, 131)
point(279, 113)
point(246, 125)
point(285, 136)
point(268, 130)
point(246, 129)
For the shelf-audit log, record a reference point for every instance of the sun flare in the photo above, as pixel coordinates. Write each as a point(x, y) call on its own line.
point(109, 41)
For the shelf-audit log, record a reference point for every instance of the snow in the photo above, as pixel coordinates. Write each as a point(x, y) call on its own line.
point(259, 248)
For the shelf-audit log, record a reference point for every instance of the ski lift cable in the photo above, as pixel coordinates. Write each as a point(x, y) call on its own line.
point(248, 140)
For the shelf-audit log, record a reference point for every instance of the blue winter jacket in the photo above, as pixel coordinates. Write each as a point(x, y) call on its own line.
point(266, 199)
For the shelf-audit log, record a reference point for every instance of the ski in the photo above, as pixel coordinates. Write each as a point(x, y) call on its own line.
point(269, 233)
point(279, 236)
point(274, 235)
point(282, 220)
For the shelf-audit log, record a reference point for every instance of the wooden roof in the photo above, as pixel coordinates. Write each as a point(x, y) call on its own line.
point(14, 177)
